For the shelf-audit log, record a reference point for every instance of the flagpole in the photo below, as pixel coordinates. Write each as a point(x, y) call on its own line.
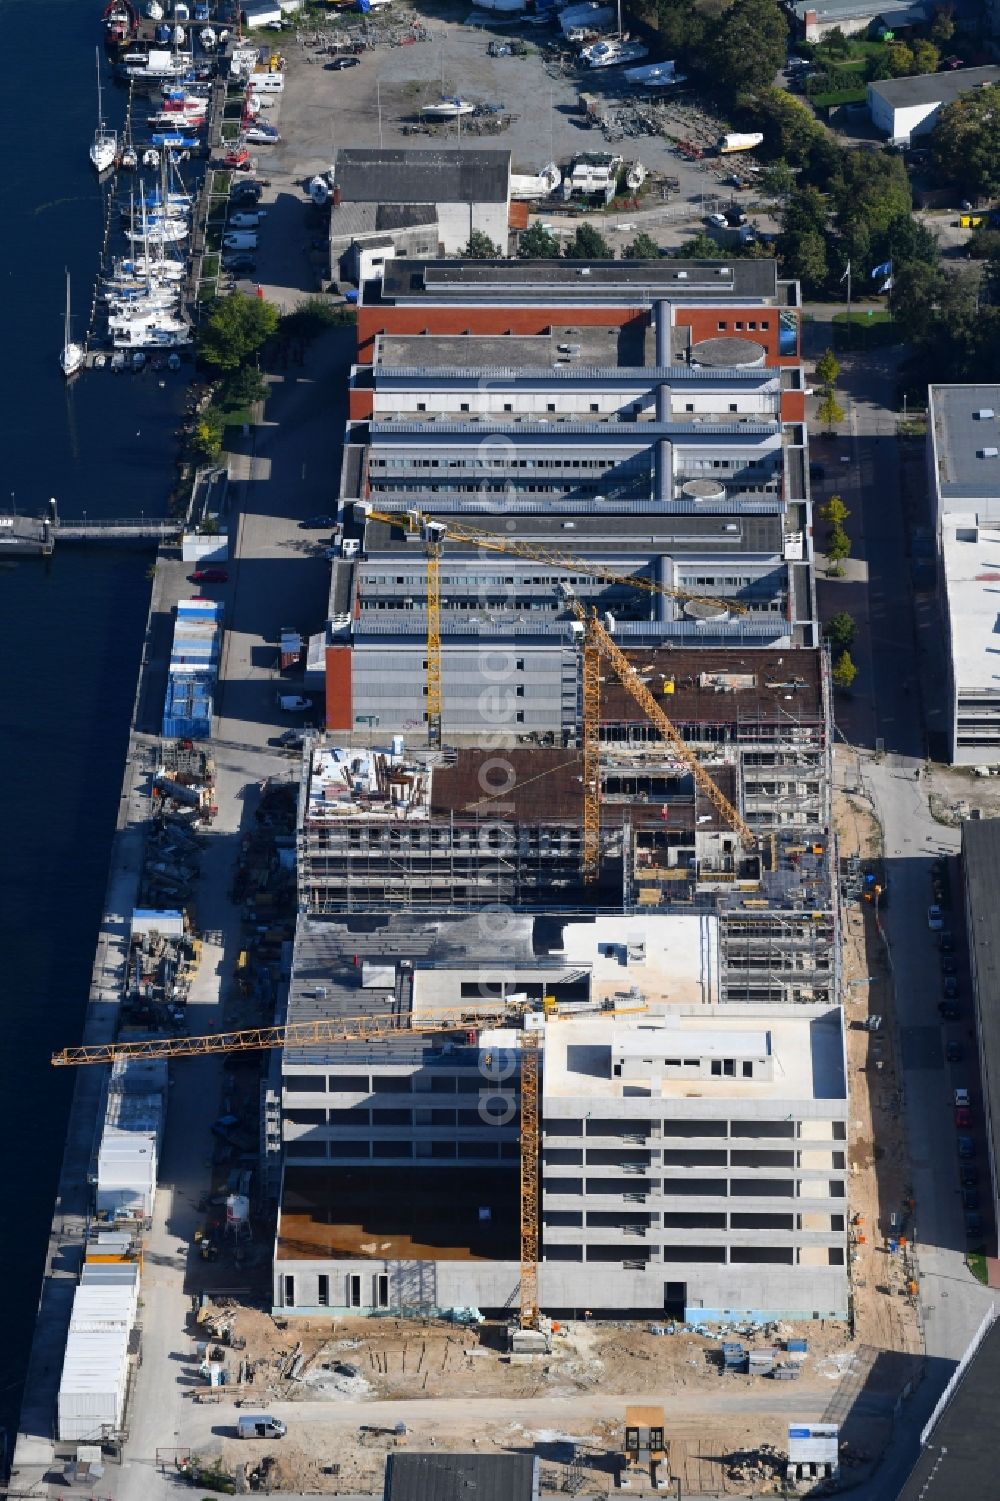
point(850, 342)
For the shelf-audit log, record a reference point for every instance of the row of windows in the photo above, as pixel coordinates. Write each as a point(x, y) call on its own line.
point(603, 1219)
point(634, 1258)
point(494, 1111)
point(689, 1186)
point(424, 1083)
point(744, 323)
point(687, 1157)
point(447, 1151)
point(504, 463)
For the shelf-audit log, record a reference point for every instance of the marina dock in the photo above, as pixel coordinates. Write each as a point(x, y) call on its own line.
point(36, 536)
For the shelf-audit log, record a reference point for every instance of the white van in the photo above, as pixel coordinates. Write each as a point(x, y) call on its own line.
point(259, 1425)
point(240, 239)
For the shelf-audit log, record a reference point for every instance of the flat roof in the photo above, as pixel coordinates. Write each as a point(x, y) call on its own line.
point(971, 555)
point(402, 1213)
point(703, 526)
point(377, 174)
point(981, 863)
point(961, 1454)
point(806, 1044)
point(348, 219)
point(932, 88)
point(960, 434)
point(713, 686)
point(460, 1477)
point(537, 281)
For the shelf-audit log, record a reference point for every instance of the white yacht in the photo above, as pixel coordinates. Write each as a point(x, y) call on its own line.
point(73, 355)
point(104, 147)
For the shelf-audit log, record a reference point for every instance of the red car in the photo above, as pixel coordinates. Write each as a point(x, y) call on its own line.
point(963, 1117)
point(209, 576)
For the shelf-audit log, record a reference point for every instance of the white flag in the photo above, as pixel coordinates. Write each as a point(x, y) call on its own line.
point(847, 271)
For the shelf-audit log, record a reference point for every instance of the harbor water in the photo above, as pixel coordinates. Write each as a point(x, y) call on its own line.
point(71, 627)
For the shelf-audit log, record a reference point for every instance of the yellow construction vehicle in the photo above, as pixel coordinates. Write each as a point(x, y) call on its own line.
point(363, 1028)
point(434, 534)
point(597, 644)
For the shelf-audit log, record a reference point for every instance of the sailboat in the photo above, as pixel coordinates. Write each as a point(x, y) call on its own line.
point(73, 355)
point(104, 147)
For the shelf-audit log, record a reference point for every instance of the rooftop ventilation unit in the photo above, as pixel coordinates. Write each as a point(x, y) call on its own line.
point(988, 453)
point(983, 414)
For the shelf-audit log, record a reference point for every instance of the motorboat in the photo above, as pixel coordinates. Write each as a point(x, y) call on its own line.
point(140, 303)
point(73, 355)
point(612, 53)
point(154, 10)
point(120, 20)
point(157, 66)
point(160, 331)
point(207, 38)
point(163, 121)
point(447, 109)
point(157, 269)
point(151, 158)
point(178, 36)
point(635, 175)
point(104, 147)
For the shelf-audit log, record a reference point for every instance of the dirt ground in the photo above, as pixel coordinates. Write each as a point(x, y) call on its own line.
point(885, 1310)
point(400, 1360)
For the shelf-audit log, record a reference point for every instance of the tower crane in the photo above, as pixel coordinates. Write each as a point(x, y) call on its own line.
point(363, 1028)
point(597, 644)
point(435, 532)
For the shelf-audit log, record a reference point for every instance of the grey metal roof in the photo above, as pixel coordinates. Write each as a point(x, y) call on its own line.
point(383, 175)
point(350, 219)
point(638, 433)
point(827, 12)
point(960, 436)
point(541, 280)
point(963, 1452)
point(932, 88)
point(460, 1477)
point(981, 866)
point(632, 535)
point(631, 375)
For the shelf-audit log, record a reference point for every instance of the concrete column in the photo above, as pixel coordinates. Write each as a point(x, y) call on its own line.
point(661, 318)
point(663, 463)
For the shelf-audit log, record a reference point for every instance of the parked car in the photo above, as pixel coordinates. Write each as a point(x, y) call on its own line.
point(949, 964)
point(288, 740)
point(948, 1010)
point(967, 1175)
point(973, 1224)
point(963, 1117)
point(953, 1052)
point(315, 523)
point(946, 943)
point(970, 1198)
point(966, 1146)
point(961, 1099)
point(949, 988)
point(209, 576)
point(294, 703)
point(244, 264)
point(259, 134)
point(338, 64)
point(935, 921)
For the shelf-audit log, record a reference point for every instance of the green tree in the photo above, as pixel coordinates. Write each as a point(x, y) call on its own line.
point(537, 244)
point(479, 247)
point(906, 241)
point(682, 28)
point(901, 60)
point(844, 672)
point(701, 248)
point(926, 56)
point(803, 257)
point(835, 43)
point(965, 143)
point(789, 127)
point(840, 631)
point(236, 328)
point(642, 248)
point(208, 433)
point(830, 412)
point(748, 46)
point(833, 512)
point(878, 67)
point(242, 388)
point(827, 368)
point(838, 544)
point(916, 288)
point(871, 189)
point(588, 244)
point(777, 180)
point(943, 26)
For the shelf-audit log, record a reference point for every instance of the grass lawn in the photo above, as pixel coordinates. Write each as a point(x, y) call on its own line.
point(840, 96)
point(976, 1262)
point(869, 328)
